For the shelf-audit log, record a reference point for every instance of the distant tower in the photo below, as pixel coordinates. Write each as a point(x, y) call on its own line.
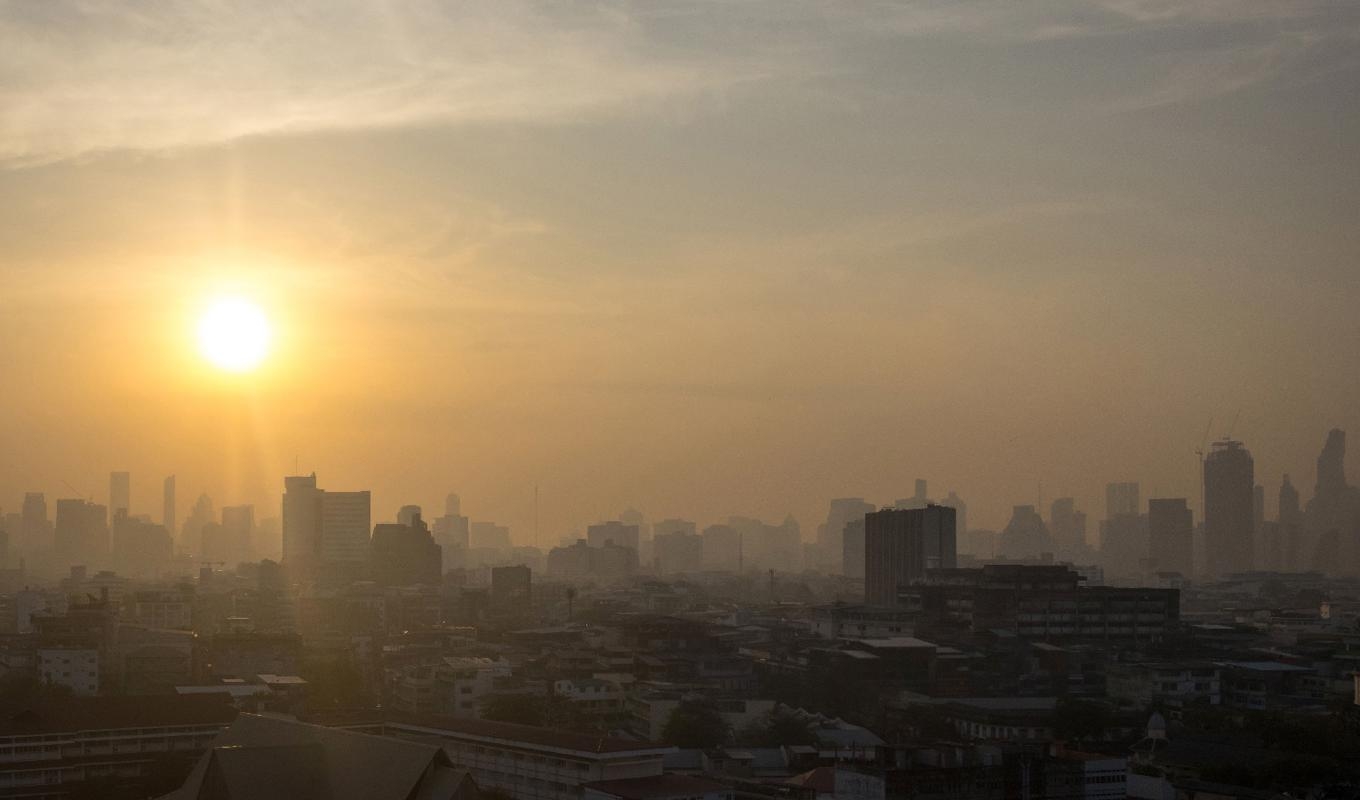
point(168, 505)
point(120, 492)
point(1229, 509)
point(407, 515)
point(1171, 532)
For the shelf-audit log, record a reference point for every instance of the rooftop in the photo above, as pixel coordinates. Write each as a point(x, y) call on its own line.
point(529, 735)
point(656, 786)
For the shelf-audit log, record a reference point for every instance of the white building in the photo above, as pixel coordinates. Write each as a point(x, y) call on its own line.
point(76, 669)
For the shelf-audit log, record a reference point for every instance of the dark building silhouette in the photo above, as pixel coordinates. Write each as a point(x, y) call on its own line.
point(301, 521)
point(1291, 527)
point(1334, 511)
point(452, 532)
point(901, 544)
point(1026, 535)
point(1068, 528)
point(511, 587)
point(1121, 498)
point(678, 551)
point(139, 548)
point(168, 505)
point(618, 533)
point(1171, 536)
point(405, 555)
point(1229, 509)
point(722, 548)
point(81, 533)
point(37, 528)
point(852, 548)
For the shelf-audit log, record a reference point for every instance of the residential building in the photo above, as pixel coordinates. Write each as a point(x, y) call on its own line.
point(900, 545)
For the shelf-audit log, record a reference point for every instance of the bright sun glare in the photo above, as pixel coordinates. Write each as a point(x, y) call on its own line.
point(234, 334)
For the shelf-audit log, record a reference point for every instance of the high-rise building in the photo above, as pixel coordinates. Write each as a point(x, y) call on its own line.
point(1068, 526)
point(408, 514)
point(120, 492)
point(852, 549)
point(234, 538)
point(489, 535)
point(831, 534)
point(722, 548)
point(1229, 513)
point(191, 534)
point(81, 533)
point(346, 519)
point(168, 520)
point(917, 500)
point(619, 533)
point(955, 502)
point(901, 544)
point(678, 551)
point(1291, 528)
point(405, 554)
point(1121, 498)
point(1171, 535)
point(1026, 535)
point(301, 521)
point(37, 529)
point(139, 548)
point(452, 533)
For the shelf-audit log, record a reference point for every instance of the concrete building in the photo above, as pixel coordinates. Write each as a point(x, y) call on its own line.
point(1229, 516)
point(301, 521)
point(511, 588)
point(168, 519)
point(345, 524)
point(1171, 536)
point(405, 554)
point(900, 545)
point(722, 548)
point(679, 552)
point(616, 532)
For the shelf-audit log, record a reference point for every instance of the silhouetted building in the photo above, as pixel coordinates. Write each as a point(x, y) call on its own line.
point(345, 524)
point(81, 533)
point(1291, 527)
point(405, 554)
point(901, 544)
point(120, 492)
point(1171, 536)
point(452, 533)
point(511, 587)
point(139, 548)
point(191, 534)
point(917, 500)
point(1068, 528)
point(301, 521)
point(231, 542)
point(1124, 548)
point(952, 500)
point(37, 529)
point(1334, 510)
point(1229, 515)
point(852, 549)
point(1026, 535)
point(766, 546)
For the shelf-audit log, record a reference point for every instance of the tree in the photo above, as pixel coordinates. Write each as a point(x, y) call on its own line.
point(1080, 719)
point(781, 727)
point(695, 724)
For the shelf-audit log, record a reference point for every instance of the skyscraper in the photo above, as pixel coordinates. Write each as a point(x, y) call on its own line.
point(168, 505)
point(1171, 532)
point(120, 492)
point(1229, 513)
point(346, 520)
point(901, 544)
point(831, 534)
point(81, 533)
point(406, 515)
point(37, 530)
point(1121, 498)
point(301, 521)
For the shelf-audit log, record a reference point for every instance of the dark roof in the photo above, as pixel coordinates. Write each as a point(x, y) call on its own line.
point(656, 787)
point(109, 713)
point(267, 758)
point(511, 733)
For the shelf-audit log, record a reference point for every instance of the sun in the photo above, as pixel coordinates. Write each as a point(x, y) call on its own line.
point(234, 334)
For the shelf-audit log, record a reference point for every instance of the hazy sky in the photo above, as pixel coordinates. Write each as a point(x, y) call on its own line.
point(700, 258)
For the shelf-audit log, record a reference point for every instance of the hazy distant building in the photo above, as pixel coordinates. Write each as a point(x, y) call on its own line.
point(1124, 548)
point(1333, 513)
point(405, 554)
point(619, 533)
point(408, 514)
point(191, 533)
point(230, 543)
point(168, 520)
point(120, 492)
point(81, 533)
point(901, 544)
point(952, 500)
point(831, 534)
point(918, 500)
point(678, 551)
point(1026, 535)
point(37, 528)
point(301, 521)
point(140, 548)
point(345, 524)
point(852, 549)
point(1171, 536)
point(1068, 528)
point(722, 549)
point(1229, 514)
point(452, 533)
point(511, 587)
point(1291, 527)
point(765, 546)
point(489, 535)
point(1122, 498)
point(673, 526)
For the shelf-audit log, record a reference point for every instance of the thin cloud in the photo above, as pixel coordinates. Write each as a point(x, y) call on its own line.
point(81, 77)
